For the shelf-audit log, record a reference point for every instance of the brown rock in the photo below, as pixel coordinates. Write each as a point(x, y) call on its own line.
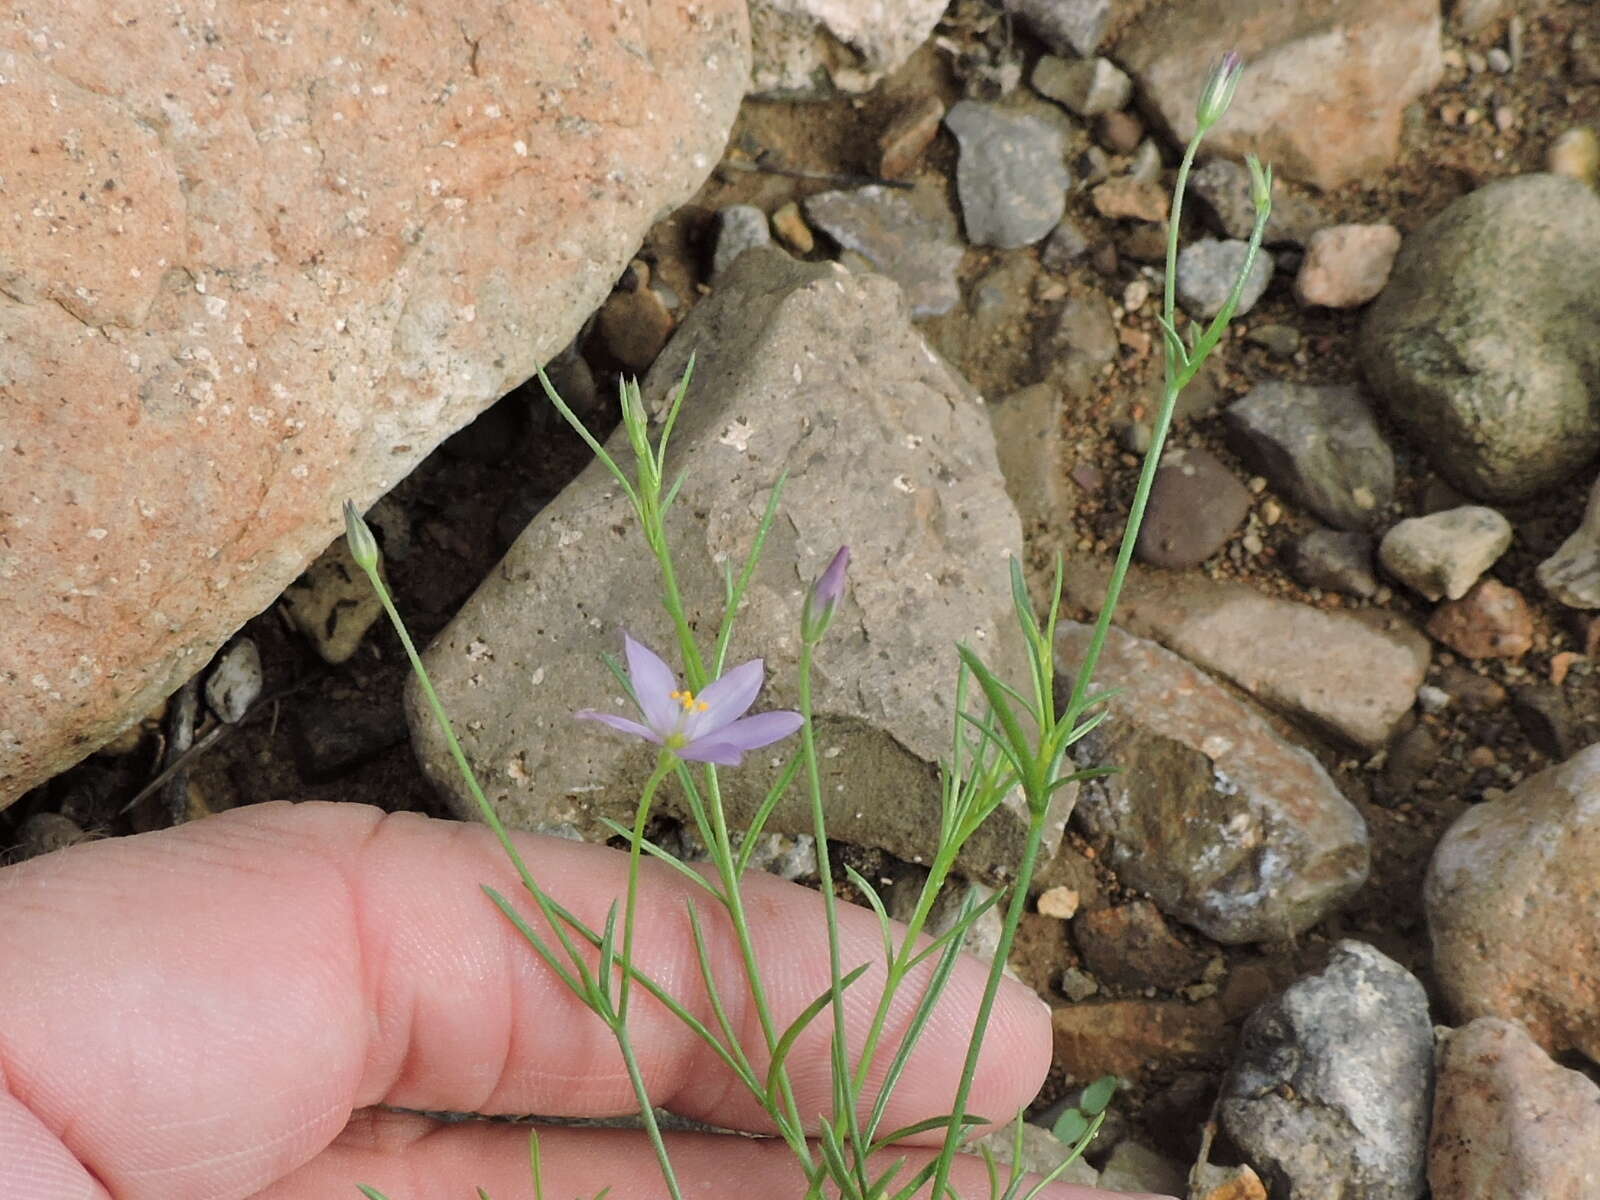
point(267, 260)
point(1490, 621)
point(792, 229)
point(634, 323)
point(1130, 946)
point(1324, 109)
point(1196, 505)
point(1125, 196)
point(1119, 132)
point(1129, 1037)
point(1346, 265)
point(1513, 903)
point(908, 135)
point(1509, 1122)
point(1210, 1182)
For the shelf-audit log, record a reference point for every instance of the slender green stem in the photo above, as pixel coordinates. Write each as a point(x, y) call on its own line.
point(969, 1069)
point(1152, 457)
point(849, 1120)
point(665, 761)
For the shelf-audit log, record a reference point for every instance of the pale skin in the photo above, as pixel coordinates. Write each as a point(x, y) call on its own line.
point(214, 1011)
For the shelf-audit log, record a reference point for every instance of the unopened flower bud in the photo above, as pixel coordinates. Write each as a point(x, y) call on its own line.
point(1260, 185)
point(823, 599)
point(363, 546)
point(1219, 89)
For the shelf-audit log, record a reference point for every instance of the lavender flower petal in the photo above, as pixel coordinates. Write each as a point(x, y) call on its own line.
point(653, 685)
point(751, 733)
point(619, 723)
point(723, 754)
point(726, 700)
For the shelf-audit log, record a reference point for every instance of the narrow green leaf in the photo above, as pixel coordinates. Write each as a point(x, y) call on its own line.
point(654, 851)
point(885, 926)
point(371, 1193)
point(758, 822)
point(780, 1052)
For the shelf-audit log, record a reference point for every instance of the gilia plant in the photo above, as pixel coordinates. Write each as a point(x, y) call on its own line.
point(1008, 738)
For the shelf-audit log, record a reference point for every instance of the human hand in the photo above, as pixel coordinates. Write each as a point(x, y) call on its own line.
point(213, 1011)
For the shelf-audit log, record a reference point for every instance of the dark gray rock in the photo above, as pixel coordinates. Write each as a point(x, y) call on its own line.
point(1483, 343)
point(1195, 506)
point(1227, 826)
point(1547, 720)
point(1206, 273)
point(1067, 245)
point(1572, 574)
point(1011, 174)
point(1319, 446)
point(1332, 1085)
point(801, 368)
point(910, 237)
point(331, 739)
point(1335, 561)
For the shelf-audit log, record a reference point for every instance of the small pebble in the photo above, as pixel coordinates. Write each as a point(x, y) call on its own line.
point(1119, 132)
point(1443, 554)
point(1490, 621)
point(792, 229)
point(1058, 902)
point(1498, 61)
point(1280, 341)
point(1432, 700)
point(1206, 273)
point(1575, 154)
point(1561, 664)
point(1335, 561)
point(235, 681)
point(1346, 265)
point(1126, 197)
point(908, 135)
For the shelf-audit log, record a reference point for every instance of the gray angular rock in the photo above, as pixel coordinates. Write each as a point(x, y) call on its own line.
point(1482, 345)
point(1441, 555)
point(1332, 1085)
point(1011, 174)
point(909, 236)
point(1318, 445)
point(804, 368)
point(1207, 270)
point(1345, 676)
point(1230, 828)
point(1507, 1121)
point(1223, 186)
point(1066, 26)
point(1335, 561)
point(1067, 245)
point(1572, 574)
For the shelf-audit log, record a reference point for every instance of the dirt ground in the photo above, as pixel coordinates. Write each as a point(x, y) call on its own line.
point(337, 733)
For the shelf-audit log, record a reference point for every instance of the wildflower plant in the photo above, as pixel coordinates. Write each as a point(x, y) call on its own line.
point(1008, 737)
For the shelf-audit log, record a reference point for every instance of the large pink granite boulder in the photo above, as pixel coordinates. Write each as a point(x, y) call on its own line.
point(260, 257)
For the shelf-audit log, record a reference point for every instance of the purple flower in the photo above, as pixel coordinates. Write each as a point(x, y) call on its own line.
point(1218, 91)
point(824, 597)
point(710, 727)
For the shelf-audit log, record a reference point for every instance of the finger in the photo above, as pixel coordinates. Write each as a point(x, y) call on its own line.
point(411, 1158)
point(198, 1012)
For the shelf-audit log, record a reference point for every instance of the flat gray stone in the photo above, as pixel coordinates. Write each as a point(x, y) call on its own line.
point(804, 368)
point(1011, 174)
point(1229, 828)
point(1441, 555)
point(1483, 343)
point(1207, 270)
point(1318, 445)
point(909, 236)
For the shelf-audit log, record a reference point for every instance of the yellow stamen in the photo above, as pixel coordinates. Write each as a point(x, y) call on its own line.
point(687, 700)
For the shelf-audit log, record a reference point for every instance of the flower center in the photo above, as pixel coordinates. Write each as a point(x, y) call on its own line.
point(687, 700)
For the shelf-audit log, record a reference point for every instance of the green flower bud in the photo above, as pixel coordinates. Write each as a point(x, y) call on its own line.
point(1219, 89)
point(363, 546)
